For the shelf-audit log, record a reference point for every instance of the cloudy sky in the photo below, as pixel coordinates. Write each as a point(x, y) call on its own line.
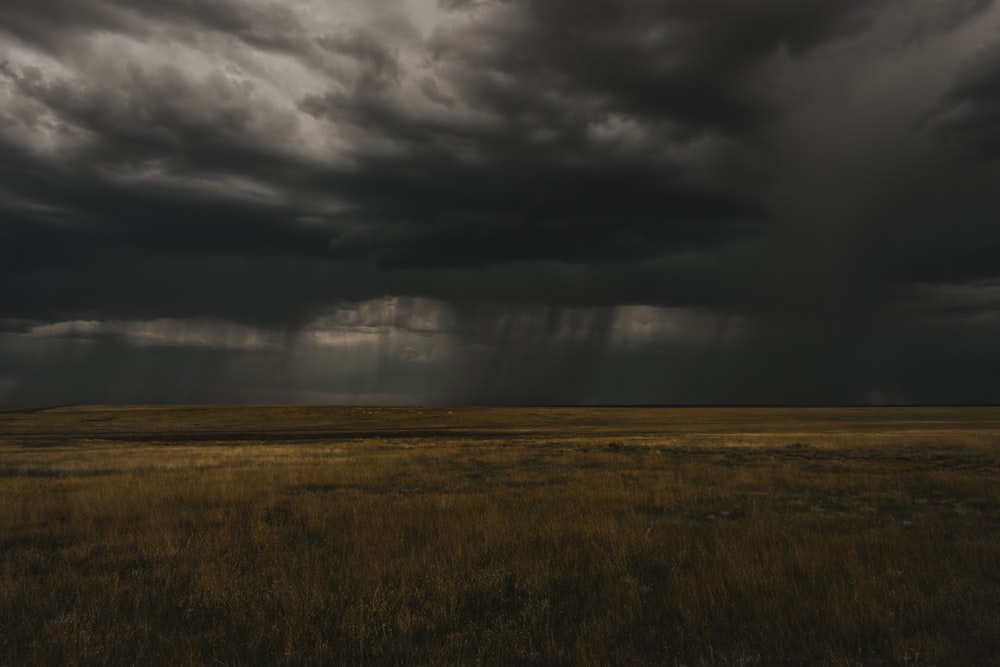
point(500, 201)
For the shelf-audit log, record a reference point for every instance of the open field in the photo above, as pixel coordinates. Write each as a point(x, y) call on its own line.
point(458, 536)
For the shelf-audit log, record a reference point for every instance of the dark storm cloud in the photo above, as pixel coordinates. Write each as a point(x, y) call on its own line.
point(51, 24)
point(380, 66)
point(792, 190)
point(969, 112)
point(74, 213)
point(553, 173)
point(131, 116)
point(687, 61)
point(266, 25)
point(540, 185)
point(929, 19)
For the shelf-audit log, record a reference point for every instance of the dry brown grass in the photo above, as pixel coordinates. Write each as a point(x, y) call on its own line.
point(503, 536)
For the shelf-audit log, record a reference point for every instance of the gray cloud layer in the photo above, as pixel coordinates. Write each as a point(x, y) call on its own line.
point(798, 199)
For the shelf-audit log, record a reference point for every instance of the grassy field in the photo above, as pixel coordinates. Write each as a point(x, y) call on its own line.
point(463, 536)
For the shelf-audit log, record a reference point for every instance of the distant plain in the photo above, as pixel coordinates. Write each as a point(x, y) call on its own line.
point(510, 536)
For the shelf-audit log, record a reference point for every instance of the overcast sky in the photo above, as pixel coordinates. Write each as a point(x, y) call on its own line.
point(512, 201)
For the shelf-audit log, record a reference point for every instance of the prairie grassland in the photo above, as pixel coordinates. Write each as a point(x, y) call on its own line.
point(190, 536)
